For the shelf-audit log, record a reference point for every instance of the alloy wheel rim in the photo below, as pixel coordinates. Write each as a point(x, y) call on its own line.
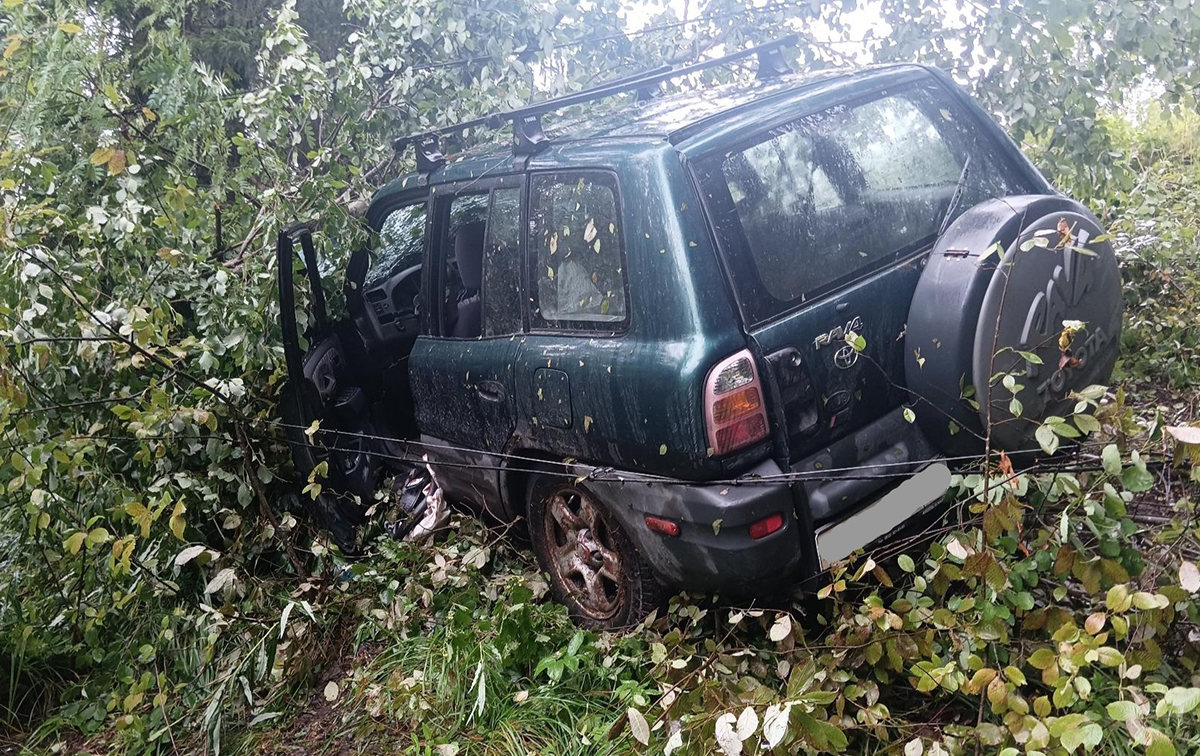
point(582, 553)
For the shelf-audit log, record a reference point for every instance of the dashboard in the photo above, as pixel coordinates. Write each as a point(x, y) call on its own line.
point(390, 313)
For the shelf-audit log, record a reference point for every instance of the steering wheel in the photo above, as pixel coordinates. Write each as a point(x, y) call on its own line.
point(389, 313)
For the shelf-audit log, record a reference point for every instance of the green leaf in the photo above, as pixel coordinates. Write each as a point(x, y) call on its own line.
point(1066, 724)
point(1083, 733)
point(1014, 675)
point(1146, 601)
point(1090, 734)
point(74, 542)
point(1087, 423)
point(1179, 701)
point(1137, 478)
point(1015, 407)
point(906, 563)
point(1160, 744)
point(1122, 711)
point(1043, 658)
point(995, 249)
point(1064, 429)
point(1118, 598)
point(1109, 656)
point(1046, 438)
point(177, 522)
point(824, 735)
point(70, 28)
point(1110, 458)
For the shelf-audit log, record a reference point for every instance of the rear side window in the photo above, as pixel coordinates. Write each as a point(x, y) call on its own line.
point(578, 263)
point(462, 254)
point(823, 199)
point(502, 265)
point(481, 264)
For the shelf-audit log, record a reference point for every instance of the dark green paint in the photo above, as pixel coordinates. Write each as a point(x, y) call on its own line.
point(633, 400)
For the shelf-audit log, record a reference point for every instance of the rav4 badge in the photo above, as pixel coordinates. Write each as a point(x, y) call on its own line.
point(838, 334)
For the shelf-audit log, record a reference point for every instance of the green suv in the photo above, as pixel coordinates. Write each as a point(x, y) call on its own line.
point(715, 339)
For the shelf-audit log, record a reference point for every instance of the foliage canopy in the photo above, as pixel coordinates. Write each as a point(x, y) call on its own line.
point(157, 587)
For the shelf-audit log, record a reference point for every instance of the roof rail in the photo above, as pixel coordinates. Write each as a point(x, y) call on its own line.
point(528, 137)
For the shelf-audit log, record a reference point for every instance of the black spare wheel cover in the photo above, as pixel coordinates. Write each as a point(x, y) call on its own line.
point(1002, 280)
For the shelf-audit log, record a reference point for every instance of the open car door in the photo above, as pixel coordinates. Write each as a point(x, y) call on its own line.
point(335, 386)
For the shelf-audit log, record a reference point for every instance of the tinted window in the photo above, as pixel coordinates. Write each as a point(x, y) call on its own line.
point(401, 243)
point(818, 201)
point(462, 254)
point(502, 265)
point(578, 264)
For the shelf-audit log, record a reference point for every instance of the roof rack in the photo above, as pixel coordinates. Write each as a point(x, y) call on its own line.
point(528, 136)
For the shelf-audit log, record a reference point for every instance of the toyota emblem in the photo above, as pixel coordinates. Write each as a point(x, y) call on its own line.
point(845, 357)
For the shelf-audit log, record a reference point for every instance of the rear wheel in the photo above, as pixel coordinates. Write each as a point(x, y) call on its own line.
point(593, 566)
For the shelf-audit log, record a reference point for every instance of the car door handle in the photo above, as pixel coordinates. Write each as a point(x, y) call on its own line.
point(841, 306)
point(492, 391)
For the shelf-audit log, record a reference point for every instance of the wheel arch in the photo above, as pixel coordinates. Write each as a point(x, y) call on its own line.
point(516, 469)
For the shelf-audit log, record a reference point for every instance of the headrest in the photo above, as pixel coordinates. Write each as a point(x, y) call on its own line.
point(468, 251)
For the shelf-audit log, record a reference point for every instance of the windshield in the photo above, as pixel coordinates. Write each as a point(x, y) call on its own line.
point(401, 243)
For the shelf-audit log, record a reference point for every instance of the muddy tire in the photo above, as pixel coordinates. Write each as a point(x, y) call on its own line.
point(593, 566)
point(992, 300)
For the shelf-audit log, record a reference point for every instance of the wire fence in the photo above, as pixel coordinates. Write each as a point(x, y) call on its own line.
point(510, 462)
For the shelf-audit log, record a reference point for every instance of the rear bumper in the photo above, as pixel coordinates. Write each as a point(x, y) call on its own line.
point(861, 466)
point(856, 492)
point(714, 550)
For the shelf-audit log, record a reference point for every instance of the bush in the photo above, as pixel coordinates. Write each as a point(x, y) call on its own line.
point(159, 593)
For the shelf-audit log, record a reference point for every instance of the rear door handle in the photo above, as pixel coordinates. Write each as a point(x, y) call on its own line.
point(841, 306)
point(492, 391)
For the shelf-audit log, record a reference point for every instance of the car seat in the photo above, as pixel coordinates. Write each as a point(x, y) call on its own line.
point(468, 253)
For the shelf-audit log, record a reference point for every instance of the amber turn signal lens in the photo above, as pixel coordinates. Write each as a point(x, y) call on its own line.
point(734, 406)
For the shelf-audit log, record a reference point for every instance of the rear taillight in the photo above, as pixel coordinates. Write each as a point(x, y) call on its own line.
point(766, 526)
point(733, 405)
point(662, 525)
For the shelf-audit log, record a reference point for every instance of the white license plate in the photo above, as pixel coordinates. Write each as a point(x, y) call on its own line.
point(840, 539)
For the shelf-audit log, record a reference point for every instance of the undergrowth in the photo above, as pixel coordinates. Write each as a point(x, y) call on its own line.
point(1040, 618)
point(1046, 619)
point(156, 596)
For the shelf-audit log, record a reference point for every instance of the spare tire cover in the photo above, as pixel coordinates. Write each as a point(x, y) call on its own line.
point(1000, 282)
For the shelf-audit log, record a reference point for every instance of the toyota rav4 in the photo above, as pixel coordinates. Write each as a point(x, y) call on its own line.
point(713, 339)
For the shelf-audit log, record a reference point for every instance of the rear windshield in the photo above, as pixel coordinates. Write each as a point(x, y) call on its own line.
point(819, 201)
